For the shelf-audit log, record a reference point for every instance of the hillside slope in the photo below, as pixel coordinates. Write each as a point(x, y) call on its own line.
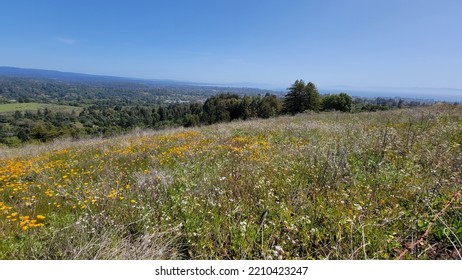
point(311, 186)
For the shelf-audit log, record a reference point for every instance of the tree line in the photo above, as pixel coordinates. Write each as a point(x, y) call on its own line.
point(106, 119)
point(302, 97)
point(102, 120)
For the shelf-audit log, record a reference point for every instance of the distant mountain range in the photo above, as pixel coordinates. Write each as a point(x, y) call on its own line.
point(80, 77)
point(77, 77)
point(32, 82)
point(437, 94)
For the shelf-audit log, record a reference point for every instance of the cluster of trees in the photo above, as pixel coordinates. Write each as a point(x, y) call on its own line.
point(338, 102)
point(302, 97)
point(101, 120)
point(228, 107)
point(305, 97)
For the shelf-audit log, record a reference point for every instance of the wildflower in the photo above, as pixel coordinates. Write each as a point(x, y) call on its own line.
point(278, 252)
point(40, 217)
point(112, 194)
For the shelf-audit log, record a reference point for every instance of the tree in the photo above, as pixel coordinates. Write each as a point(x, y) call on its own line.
point(294, 99)
point(245, 108)
point(340, 102)
point(302, 97)
point(269, 106)
point(221, 108)
point(191, 120)
point(312, 99)
point(17, 115)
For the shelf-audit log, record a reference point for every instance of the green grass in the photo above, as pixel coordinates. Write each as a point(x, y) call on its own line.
point(311, 186)
point(22, 107)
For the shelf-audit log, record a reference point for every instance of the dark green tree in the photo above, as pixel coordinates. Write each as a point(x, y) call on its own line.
point(269, 106)
point(294, 101)
point(340, 102)
point(302, 97)
point(312, 98)
point(221, 108)
point(191, 120)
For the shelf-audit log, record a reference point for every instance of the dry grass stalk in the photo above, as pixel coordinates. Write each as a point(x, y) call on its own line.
point(411, 247)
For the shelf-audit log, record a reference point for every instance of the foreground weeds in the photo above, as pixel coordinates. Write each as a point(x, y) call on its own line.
point(324, 186)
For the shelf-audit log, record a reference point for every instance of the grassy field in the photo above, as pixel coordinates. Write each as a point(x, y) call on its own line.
point(13, 107)
point(312, 186)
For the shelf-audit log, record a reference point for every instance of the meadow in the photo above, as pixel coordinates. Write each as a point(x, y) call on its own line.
point(378, 185)
point(23, 107)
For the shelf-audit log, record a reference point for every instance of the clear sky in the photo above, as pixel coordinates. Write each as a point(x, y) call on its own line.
point(359, 43)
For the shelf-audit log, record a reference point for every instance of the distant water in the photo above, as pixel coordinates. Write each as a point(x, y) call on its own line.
point(449, 95)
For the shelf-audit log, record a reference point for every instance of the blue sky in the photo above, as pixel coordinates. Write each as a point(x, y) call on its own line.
point(357, 43)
